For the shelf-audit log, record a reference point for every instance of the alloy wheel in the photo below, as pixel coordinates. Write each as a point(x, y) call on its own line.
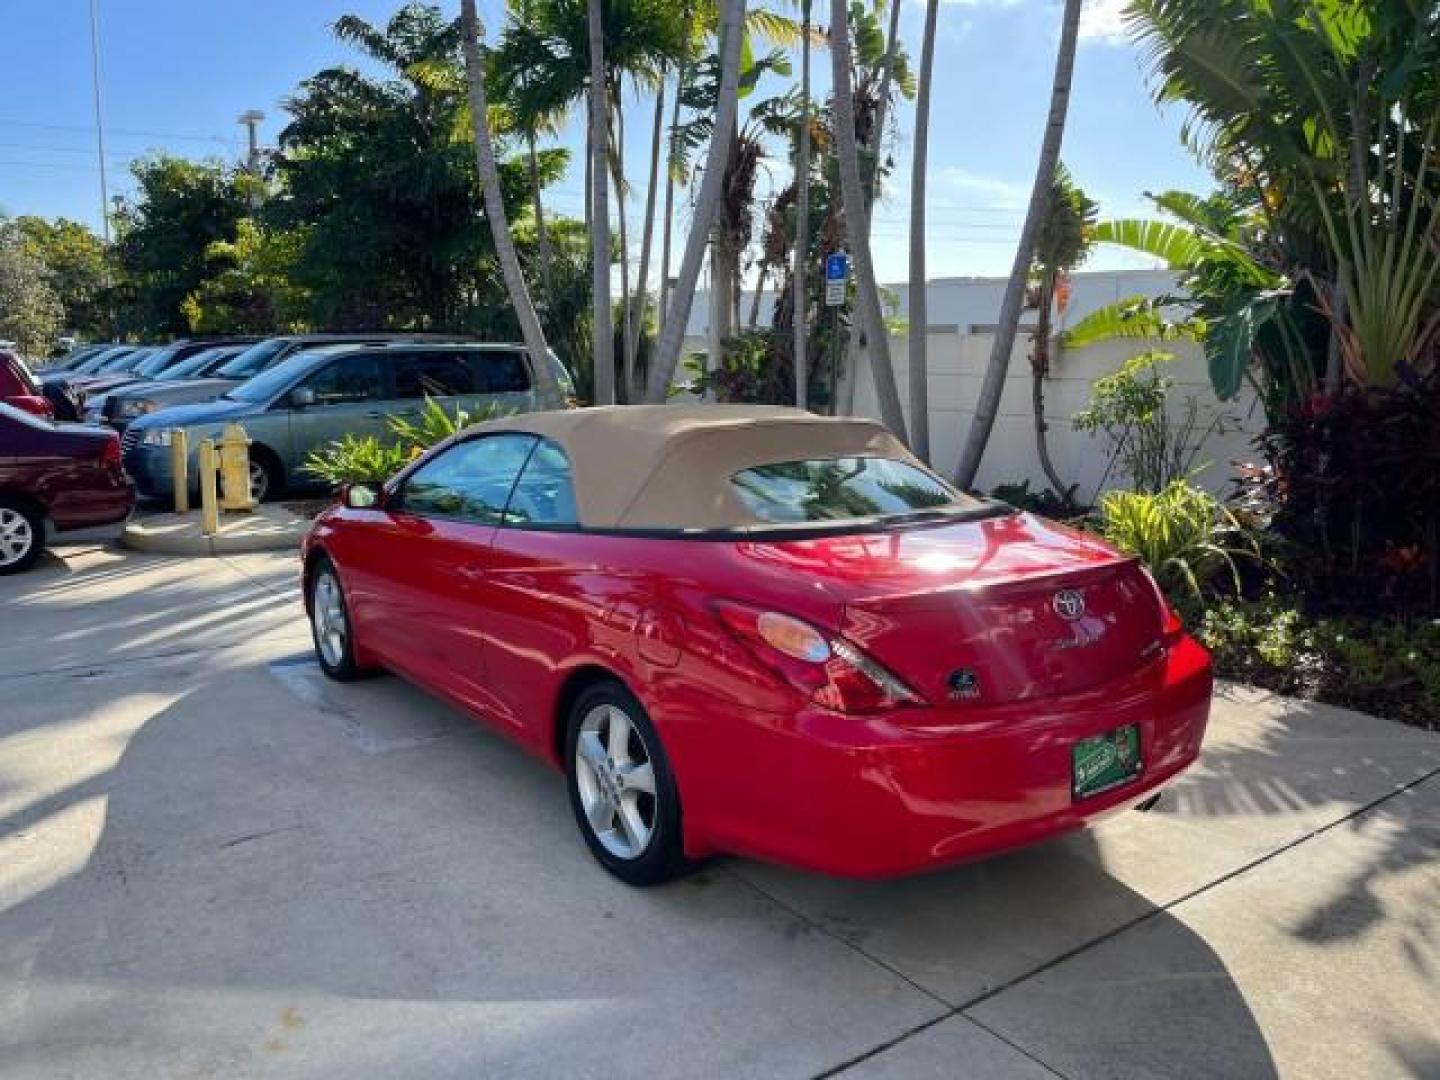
point(615, 776)
point(259, 481)
point(17, 536)
point(327, 610)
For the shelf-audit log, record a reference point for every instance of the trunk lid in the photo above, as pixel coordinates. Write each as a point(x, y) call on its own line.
point(994, 611)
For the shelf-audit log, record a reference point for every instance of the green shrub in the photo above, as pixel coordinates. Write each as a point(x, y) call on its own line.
point(370, 460)
point(1189, 539)
point(1387, 667)
point(356, 460)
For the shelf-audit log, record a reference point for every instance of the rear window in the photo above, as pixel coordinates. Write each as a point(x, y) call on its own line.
point(841, 489)
point(254, 360)
point(432, 374)
point(498, 372)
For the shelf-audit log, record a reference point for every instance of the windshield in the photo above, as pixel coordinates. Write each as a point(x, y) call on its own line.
point(157, 361)
point(264, 387)
point(253, 360)
point(844, 488)
point(86, 367)
point(120, 364)
point(192, 364)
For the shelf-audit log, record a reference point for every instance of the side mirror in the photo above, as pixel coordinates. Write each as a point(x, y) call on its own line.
point(359, 496)
point(301, 398)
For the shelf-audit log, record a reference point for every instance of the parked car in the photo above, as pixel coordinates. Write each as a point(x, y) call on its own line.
point(18, 387)
point(753, 630)
point(318, 395)
point(88, 366)
point(55, 476)
point(119, 406)
point(74, 357)
point(261, 357)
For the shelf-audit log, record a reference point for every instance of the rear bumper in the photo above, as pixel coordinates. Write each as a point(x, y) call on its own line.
point(866, 797)
point(85, 509)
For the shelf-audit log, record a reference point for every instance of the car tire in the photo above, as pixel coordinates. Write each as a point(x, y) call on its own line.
point(624, 796)
point(22, 535)
point(330, 626)
point(266, 479)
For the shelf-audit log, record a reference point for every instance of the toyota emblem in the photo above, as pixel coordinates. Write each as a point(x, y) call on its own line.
point(1068, 604)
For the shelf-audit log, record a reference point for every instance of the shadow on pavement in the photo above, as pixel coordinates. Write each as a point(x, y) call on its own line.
point(267, 883)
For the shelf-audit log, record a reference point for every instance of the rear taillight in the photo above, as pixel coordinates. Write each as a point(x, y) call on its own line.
point(33, 403)
point(1170, 625)
point(829, 670)
point(110, 452)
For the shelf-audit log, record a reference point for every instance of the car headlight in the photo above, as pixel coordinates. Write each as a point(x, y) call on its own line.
point(136, 408)
point(159, 436)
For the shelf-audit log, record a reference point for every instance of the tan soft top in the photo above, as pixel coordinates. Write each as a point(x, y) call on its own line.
point(669, 466)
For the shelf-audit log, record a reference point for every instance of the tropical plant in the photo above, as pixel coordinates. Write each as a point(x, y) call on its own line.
point(356, 459)
point(918, 338)
point(667, 354)
point(1131, 407)
point(370, 459)
point(380, 174)
point(988, 404)
point(1252, 321)
point(547, 390)
point(857, 220)
point(1192, 543)
point(1328, 113)
point(1062, 243)
point(252, 287)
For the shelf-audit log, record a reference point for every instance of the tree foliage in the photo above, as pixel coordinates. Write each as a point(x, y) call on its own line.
point(31, 314)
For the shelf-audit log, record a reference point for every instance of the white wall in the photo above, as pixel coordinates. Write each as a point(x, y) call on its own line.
point(957, 365)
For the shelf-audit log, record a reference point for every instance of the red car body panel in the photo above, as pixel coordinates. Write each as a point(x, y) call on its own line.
point(503, 621)
point(71, 471)
point(18, 387)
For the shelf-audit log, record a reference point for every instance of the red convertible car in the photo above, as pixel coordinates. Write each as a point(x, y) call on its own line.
point(60, 476)
point(754, 630)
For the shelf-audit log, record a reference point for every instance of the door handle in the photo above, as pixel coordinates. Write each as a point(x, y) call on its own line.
point(471, 572)
point(374, 414)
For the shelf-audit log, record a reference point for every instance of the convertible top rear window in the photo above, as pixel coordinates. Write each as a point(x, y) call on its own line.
point(843, 489)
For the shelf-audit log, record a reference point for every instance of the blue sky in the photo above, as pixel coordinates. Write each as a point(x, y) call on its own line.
point(176, 74)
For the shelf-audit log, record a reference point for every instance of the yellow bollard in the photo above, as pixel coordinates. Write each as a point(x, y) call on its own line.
point(235, 469)
point(209, 501)
point(180, 469)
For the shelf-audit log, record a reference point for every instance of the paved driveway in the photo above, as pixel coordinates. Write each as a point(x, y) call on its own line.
point(213, 862)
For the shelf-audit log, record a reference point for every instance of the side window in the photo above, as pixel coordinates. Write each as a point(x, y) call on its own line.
point(432, 374)
point(471, 481)
point(499, 372)
point(345, 380)
point(545, 493)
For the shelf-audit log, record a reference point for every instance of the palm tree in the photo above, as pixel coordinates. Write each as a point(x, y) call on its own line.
point(988, 404)
point(1063, 243)
point(802, 217)
point(602, 316)
point(667, 353)
point(546, 388)
point(919, 301)
point(872, 318)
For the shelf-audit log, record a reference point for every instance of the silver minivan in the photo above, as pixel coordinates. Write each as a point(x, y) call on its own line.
point(321, 394)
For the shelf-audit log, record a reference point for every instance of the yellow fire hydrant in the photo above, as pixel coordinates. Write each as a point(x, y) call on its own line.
point(235, 469)
point(229, 460)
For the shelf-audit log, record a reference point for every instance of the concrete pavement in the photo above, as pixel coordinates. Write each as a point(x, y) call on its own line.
point(214, 862)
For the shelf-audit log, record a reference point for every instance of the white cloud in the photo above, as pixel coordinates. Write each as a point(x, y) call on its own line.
point(1103, 21)
point(945, 182)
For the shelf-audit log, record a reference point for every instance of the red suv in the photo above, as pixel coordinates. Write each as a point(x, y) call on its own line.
point(60, 476)
point(19, 388)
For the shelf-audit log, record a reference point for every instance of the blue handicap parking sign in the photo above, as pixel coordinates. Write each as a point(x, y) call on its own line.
point(837, 267)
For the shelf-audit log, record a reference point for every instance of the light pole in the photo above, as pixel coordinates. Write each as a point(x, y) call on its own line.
point(99, 123)
point(251, 119)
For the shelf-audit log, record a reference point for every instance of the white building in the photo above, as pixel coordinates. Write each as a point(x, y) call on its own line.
point(962, 315)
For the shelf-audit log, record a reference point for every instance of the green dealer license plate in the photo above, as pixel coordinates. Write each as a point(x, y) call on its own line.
point(1102, 762)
